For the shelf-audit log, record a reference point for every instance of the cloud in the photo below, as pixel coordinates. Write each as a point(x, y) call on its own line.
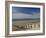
point(23, 15)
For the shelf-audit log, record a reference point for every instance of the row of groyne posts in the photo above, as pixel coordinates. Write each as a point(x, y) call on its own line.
point(32, 25)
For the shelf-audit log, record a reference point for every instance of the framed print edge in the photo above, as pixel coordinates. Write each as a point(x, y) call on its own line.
point(6, 20)
point(7, 3)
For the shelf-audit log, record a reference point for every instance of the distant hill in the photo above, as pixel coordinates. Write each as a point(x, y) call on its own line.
point(26, 19)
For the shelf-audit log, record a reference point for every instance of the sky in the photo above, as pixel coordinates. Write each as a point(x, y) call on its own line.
point(25, 12)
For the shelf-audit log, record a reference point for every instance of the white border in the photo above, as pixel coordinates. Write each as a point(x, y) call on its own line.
point(24, 32)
